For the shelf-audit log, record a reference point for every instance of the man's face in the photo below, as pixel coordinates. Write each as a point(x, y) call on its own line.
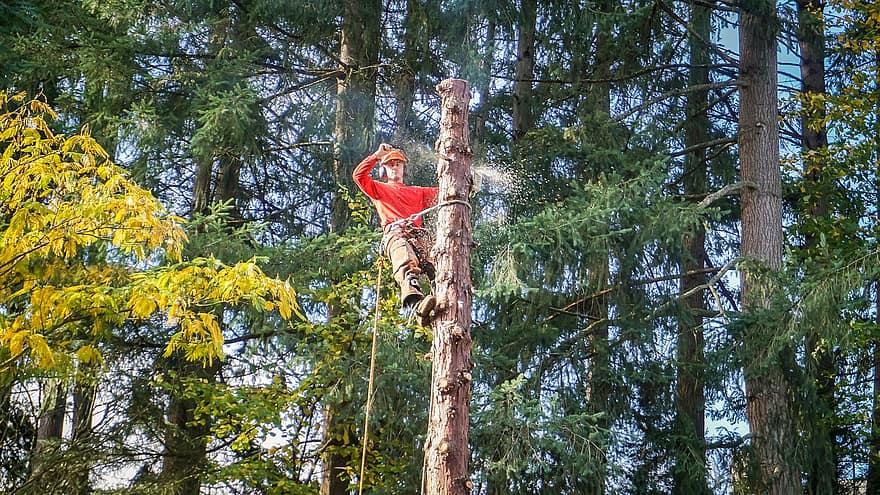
point(394, 171)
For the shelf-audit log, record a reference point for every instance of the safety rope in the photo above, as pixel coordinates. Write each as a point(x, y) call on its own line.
point(414, 216)
point(370, 381)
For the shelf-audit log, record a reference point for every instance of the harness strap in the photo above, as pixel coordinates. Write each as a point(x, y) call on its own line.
point(414, 216)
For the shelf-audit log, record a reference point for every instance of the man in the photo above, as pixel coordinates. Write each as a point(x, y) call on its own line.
point(404, 241)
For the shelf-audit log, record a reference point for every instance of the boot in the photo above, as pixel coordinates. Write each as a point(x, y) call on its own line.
point(424, 308)
point(410, 292)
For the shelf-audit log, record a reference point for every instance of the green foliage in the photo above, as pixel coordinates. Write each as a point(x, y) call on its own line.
point(576, 277)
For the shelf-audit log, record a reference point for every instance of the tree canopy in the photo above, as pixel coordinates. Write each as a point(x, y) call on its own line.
point(674, 265)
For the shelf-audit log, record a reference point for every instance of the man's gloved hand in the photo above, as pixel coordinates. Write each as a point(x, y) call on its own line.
point(383, 150)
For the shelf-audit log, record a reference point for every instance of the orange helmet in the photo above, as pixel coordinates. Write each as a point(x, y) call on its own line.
point(394, 154)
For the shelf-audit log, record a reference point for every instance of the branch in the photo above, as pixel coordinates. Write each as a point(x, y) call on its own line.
point(671, 93)
point(725, 191)
point(702, 146)
point(567, 309)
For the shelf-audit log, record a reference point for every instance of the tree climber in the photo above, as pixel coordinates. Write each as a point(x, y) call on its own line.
point(404, 241)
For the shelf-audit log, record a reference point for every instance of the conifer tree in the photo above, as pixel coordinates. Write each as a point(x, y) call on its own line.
point(768, 408)
point(690, 472)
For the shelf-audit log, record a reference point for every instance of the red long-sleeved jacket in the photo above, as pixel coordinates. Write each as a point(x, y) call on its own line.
point(393, 201)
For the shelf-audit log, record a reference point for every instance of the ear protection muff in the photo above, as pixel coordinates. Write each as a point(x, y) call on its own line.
point(382, 173)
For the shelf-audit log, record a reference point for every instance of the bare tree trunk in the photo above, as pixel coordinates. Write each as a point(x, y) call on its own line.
point(446, 448)
point(50, 426)
point(523, 114)
point(822, 466)
point(355, 96)
point(873, 475)
point(767, 403)
point(355, 116)
point(185, 439)
point(84, 391)
point(689, 475)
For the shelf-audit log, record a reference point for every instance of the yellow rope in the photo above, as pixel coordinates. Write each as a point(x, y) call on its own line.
point(370, 382)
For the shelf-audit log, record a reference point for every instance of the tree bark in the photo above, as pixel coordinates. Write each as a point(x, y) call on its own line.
point(355, 96)
point(689, 475)
point(183, 460)
point(354, 129)
point(50, 427)
point(84, 391)
point(822, 468)
point(767, 405)
point(523, 115)
point(597, 102)
point(873, 475)
point(446, 448)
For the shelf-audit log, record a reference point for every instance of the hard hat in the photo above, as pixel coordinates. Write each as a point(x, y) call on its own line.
point(394, 154)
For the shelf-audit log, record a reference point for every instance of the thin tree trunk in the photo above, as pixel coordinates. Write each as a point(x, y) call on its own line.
point(50, 426)
point(523, 113)
point(355, 115)
point(873, 475)
point(405, 78)
point(767, 403)
point(689, 475)
point(84, 392)
point(355, 96)
point(183, 460)
point(598, 396)
point(822, 467)
point(446, 448)
point(598, 392)
point(482, 113)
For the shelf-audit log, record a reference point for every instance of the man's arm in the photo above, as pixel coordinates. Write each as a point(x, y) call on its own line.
point(430, 197)
point(361, 174)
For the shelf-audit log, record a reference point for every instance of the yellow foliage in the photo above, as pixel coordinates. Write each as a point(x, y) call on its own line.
point(62, 195)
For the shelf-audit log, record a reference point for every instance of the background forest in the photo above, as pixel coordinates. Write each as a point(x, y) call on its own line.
point(675, 288)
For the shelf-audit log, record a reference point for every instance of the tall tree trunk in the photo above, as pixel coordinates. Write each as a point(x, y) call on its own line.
point(689, 476)
point(822, 466)
point(185, 441)
point(84, 392)
point(523, 113)
point(355, 96)
point(355, 116)
point(446, 449)
point(768, 408)
point(598, 392)
point(873, 475)
point(50, 426)
point(599, 380)
point(405, 78)
point(482, 113)
point(51, 422)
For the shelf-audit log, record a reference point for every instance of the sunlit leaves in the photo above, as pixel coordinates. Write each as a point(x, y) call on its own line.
point(82, 250)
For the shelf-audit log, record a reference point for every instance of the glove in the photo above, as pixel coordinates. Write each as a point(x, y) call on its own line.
point(383, 150)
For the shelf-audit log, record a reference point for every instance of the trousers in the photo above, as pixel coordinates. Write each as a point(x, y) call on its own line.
point(408, 248)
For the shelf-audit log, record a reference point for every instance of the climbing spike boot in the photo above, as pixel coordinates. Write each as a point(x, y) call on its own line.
point(424, 308)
